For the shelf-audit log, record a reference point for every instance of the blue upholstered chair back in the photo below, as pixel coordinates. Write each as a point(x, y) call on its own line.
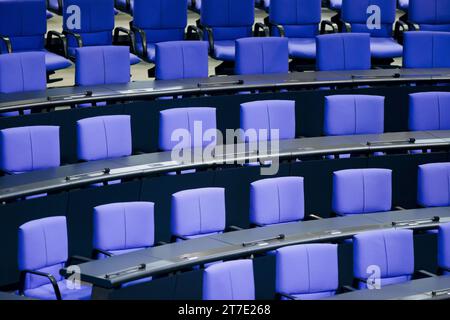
point(433, 187)
point(430, 15)
point(429, 111)
point(426, 49)
point(444, 247)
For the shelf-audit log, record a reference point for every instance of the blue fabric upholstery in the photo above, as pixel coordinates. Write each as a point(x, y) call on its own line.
point(198, 212)
point(433, 187)
point(426, 49)
point(430, 15)
point(104, 137)
point(358, 191)
point(262, 56)
point(335, 5)
point(191, 120)
point(161, 20)
point(181, 60)
point(42, 247)
point(343, 52)
point(124, 227)
point(300, 20)
point(391, 251)
point(307, 272)
point(403, 5)
point(429, 111)
point(229, 20)
point(24, 22)
point(102, 65)
point(444, 246)
point(277, 200)
point(26, 149)
point(265, 116)
point(231, 280)
point(353, 114)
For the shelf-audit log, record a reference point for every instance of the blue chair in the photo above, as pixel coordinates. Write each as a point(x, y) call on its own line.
point(343, 51)
point(104, 137)
point(403, 5)
point(429, 15)
point(197, 213)
point(231, 280)
point(26, 149)
point(23, 24)
point(426, 49)
point(224, 21)
point(443, 248)
point(355, 18)
point(353, 114)
point(95, 28)
point(21, 72)
point(55, 6)
point(265, 116)
point(298, 20)
point(102, 65)
point(261, 56)
point(429, 111)
point(181, 60)
point(335, 5)
point(277, 201)
point(42, 253)
point(126, 6)
point(383, 255)
point(432, 181)
point(307, 272)
point(123, 227)
point(186, 119)
point(358, 191)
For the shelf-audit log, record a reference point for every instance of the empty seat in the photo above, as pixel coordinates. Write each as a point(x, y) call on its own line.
point(430, 15)
point(356, 13)
point(231, 280)
point(95, 28)
point(353, 114)
point(181, 60)
point(277, 200)
point(198, 212)
point(20, 72)
point(335, 5)
point(104, 137)
point(444, 248)
point(55, 6)
point(357, 191)
point(383, 256)
point(24, 23)
point(433, 188)
point(298, 20)
point(307, 272)
point(157, 21)
point(192, 121)
point(261, 56)
point(123, 227)
point(42, 252)
point(426, 49)
point(349, 51)
point(102, 65)
point(268, 117)
point(403, 5)
point(429, 111)
point(223, 22)
point(25, 149)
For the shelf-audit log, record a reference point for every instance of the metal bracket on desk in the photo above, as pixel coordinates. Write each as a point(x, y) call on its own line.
point(137, 268)
point(263, 242)
point(105, 171)
point(409, 223)
point(410, 140)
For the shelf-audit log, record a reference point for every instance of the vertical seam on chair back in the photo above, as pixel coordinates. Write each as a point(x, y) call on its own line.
point(125, 228)
point(269, 136)
point(106, 138)
point(45, 245)
point(364, 191)
point(200, 214)
point(230, 280)
point(31, 147)
point(190, 129)
point(439, 110)
point(309, 269)
point(22, 73)
point(355, 118)
point(279, 203)
point(386, 256)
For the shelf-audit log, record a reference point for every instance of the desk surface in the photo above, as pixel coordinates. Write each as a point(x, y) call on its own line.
point(116, 270)
point(82, 174)
point(214, 85)
point(420, 289)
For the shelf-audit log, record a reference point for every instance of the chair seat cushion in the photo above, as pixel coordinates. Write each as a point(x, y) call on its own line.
point(55, 62)
point(313, 296)
point(384, 48)
point(335, 5)
point(46, 292)
point(151, 51)
point(134, 59)
point(388, 281)
point(224, 50)
point(304, 48)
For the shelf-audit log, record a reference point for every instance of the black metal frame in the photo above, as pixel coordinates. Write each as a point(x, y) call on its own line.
point(58, 11)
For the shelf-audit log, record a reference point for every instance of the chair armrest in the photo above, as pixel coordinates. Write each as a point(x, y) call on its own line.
point(61, 38)
point(49, 276)
point(400, 27)
point(96, 252)
point(261, 27)
point(326, 23)
point(210, 35)
point(143, 37)
point(7, 42)
point(125, 31)
point(77, 37)
point(280, 29)
point(285, 295)
point(192, 31)
point(78, 259)
point(234, 228)
point(315, 217)
point(347, 26)
point(425, 273)
point(413, 26)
